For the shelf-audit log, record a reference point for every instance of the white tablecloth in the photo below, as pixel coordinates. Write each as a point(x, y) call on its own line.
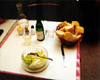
point(11, 50)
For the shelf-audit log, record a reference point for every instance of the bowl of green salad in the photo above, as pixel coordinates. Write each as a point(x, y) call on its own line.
point(33, 59)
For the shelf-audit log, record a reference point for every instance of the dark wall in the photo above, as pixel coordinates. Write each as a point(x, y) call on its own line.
point(9, 10)
point(67, 10)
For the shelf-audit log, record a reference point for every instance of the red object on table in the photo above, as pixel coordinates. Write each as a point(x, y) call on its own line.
point(1, 20)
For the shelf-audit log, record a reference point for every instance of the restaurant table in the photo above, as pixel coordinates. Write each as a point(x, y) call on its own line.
point(13, 45)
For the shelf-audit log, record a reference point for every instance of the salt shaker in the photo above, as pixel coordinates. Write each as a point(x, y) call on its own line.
point(20, 30)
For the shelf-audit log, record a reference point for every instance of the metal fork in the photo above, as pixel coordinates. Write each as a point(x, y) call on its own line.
point(40, 56)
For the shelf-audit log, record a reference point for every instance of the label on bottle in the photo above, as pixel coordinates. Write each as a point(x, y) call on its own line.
point(40, 35)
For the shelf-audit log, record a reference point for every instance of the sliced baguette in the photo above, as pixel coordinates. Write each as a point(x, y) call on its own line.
point(69, 29)
point(62, 24)
point(60, 33)
point(62, 29)
point(70, 37)
point(79, 30)
point(76, 23)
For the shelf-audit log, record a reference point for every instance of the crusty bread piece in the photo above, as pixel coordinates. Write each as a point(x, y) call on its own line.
point(60, 33)
point(62, 29)
point(70, 37)
point(69, 29)
point(79, 30)
point(62, 24)
point(76, 23)
point(78, 37)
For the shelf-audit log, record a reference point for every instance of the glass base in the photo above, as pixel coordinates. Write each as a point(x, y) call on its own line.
point(36, 70)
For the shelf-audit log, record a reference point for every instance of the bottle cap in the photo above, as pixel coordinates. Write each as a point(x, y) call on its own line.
point(32, 26)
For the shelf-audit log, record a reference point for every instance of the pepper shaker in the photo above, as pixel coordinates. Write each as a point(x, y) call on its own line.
point(32, 30)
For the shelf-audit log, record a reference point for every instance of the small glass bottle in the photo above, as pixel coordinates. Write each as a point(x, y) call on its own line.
point(32, 30)
point(40, 30)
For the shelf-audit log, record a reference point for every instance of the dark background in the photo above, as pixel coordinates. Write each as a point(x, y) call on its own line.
point(87, 12)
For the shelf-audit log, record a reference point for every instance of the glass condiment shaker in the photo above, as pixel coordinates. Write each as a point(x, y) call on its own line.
point(32, 30)
point(27, 37)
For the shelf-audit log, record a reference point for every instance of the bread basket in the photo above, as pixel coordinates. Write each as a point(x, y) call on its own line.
point(69, 33)
point(67, 43)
